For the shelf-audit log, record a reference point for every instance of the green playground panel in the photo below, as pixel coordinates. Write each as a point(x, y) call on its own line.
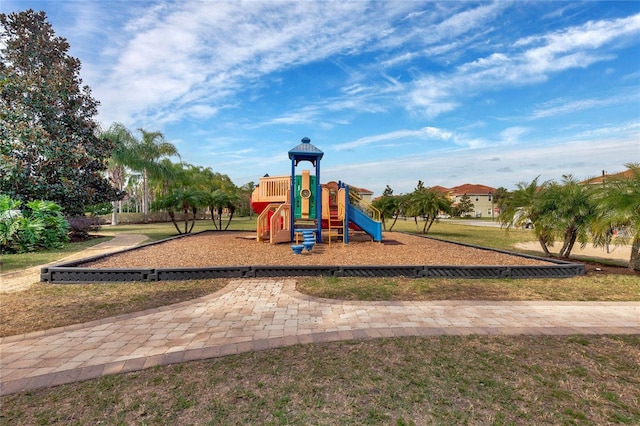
point(298, 198)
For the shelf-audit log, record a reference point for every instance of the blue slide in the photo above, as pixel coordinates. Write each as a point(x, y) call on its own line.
point(364, 222)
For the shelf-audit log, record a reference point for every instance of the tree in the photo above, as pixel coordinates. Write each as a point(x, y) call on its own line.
point(185, 200)
point(523, 206)
point(244, 204)
point(464, 206)
point(427, 203)
point(123, 154)
point(144, 156)
point(180, 192)
point(48, 140)
point(222, 194)
point(566, 210)
point(499, 197)
point(387, 204)
point(618, 208)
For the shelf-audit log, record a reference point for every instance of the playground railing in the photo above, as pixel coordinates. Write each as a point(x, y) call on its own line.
point(273, 223)
point(365, 207)
point(263, 222)
point(280, 225)
point(272, 189)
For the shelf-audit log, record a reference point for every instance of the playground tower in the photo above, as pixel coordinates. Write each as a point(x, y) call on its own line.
point(305, 189)
point(289, 206)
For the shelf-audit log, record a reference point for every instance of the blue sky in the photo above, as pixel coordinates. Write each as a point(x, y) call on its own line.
point(493, 93)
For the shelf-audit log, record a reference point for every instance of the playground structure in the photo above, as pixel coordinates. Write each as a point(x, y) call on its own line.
point(288, 206)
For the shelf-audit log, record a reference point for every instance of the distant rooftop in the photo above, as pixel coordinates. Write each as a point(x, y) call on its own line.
point(472, 189)
point(627, 174)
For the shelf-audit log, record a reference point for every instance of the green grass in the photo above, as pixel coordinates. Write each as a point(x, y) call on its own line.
point(153, 231)
point(12, 262)
point(460, 232)
point(161, 231)
point(583, 288)
point(44, 306)
point(540, 380)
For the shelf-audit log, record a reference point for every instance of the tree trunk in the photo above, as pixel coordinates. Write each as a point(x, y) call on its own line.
point(569, 241)
point(193, 222)
point(569, 238)
point(395, 218)
point(172, 215)
point(213, 217)
point(430, 223)
point(185, 212)
point(232, 211)
point(145, 196)
point(543, 244)
point(114, 214)
point(634, 259)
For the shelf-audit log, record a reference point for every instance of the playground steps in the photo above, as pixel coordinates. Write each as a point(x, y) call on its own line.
point(335, 225)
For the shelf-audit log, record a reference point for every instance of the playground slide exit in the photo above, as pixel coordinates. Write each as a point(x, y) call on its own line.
point(364, 222)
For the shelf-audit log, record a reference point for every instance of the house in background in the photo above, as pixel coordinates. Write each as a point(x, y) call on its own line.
point(365, 194)
point(480, 195)
point(599, 180)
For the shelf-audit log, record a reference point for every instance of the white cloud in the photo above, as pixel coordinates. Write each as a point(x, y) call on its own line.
point(512, 135)
point(543, 56)
point(563, 106)
point(523, 163)
point(426, 133)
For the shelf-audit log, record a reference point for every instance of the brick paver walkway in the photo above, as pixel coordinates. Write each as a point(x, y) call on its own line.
point(257, 314)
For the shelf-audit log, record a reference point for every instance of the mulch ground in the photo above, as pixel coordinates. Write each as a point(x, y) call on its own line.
point(242, 249)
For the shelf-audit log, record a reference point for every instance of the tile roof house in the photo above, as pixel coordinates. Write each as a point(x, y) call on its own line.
point(481, 196)
point(603, 178)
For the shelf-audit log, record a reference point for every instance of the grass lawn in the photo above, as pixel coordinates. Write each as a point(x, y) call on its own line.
point(403, 381)
point(12, 262)
point(153, 231)
point(161, 231)
point(460, 232)
point(400, 381)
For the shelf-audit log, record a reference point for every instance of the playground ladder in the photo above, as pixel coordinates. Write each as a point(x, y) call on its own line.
point(337, 216)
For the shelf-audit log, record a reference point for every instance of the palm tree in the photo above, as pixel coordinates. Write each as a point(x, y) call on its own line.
point(523, 206)
point(145, 156)
point(567, 209)
point(427, 203)
point(388, 207)
point(185, 200)
point(121, 156)
point(618, 207)
point(217, 201)
point(222, 194)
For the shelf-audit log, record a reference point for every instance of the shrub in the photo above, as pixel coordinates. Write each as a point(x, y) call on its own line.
point(82, 225)
point(38, 226)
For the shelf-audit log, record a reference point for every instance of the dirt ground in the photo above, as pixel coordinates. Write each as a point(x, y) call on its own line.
point(242, 249)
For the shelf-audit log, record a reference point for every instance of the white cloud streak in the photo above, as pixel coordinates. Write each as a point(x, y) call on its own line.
point(424, 134)
point(533, 59)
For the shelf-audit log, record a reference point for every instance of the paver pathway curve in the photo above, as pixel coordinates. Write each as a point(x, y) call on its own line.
point(260, 314)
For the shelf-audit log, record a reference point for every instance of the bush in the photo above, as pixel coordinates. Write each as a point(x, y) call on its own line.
point(82, 225)
point(38, 226)
point(99, 209)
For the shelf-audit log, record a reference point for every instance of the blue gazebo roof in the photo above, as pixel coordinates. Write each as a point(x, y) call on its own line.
point(305, 151)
